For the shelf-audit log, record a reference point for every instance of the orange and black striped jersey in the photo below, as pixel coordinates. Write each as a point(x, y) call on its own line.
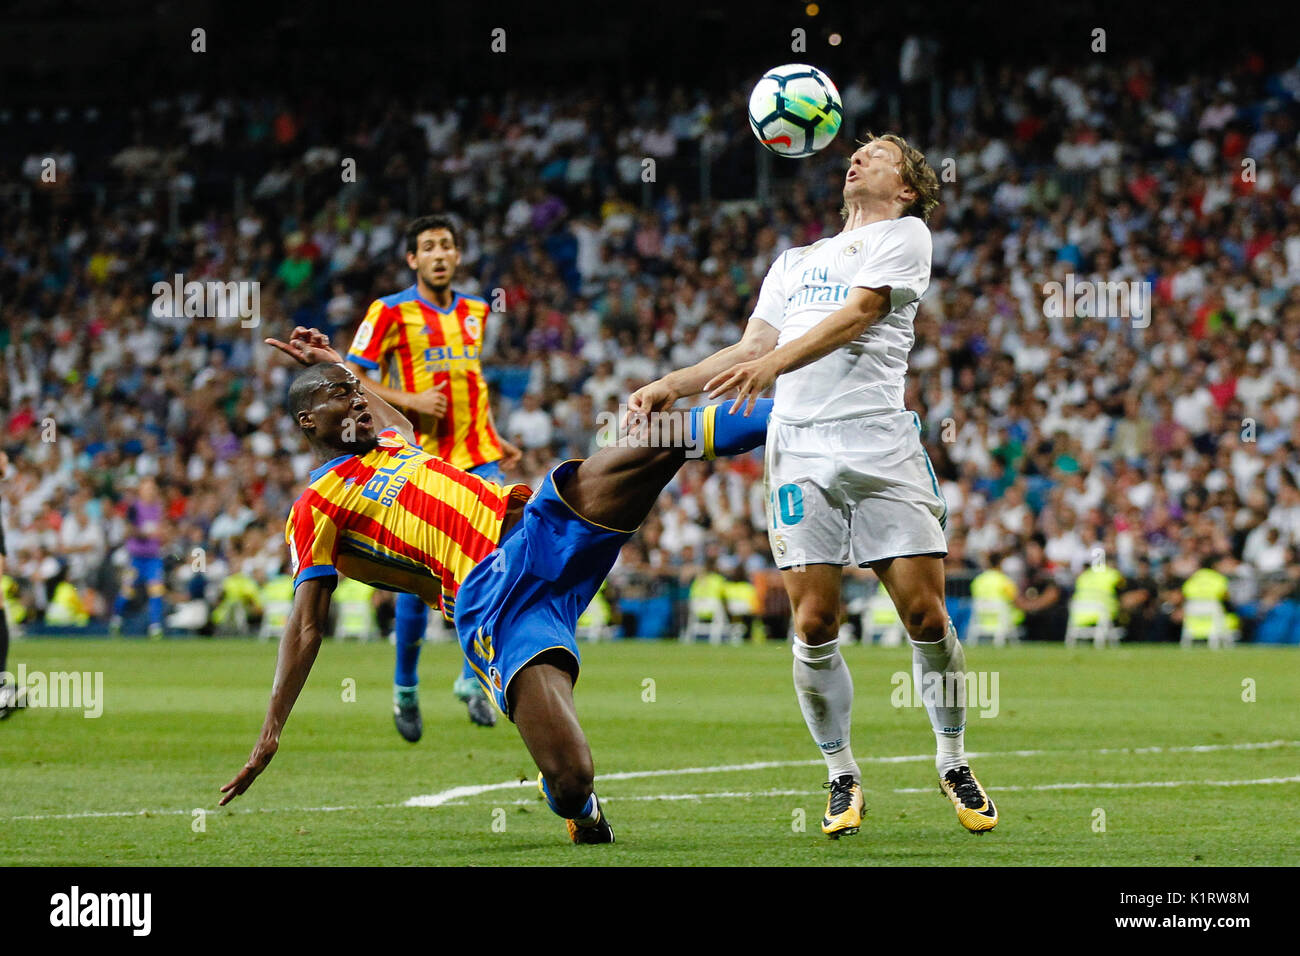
point(416, 345)
point(399, 518)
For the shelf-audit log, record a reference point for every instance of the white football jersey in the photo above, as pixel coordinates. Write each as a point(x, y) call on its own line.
point(807, 283)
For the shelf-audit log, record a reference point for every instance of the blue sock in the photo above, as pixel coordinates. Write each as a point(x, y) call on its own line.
point(155, 611)
point(119, 605)
point(412, 619)
point(586, 813)
point(546, 792)
point(719, 433)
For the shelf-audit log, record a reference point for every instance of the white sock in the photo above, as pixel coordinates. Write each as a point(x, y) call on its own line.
point(825, 691)
point(932, 663)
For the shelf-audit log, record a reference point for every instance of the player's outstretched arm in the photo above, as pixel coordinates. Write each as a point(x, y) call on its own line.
point(758, 340)
point(863, 308)
point(307, 347)
point(298, 648)
point(431, 402)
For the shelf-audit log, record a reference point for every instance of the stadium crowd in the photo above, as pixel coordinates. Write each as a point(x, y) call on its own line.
point(1156, 441)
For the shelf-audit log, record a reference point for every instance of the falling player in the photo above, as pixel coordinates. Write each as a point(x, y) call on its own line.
point(426, 341)
point(513, 572)
point(847, 475)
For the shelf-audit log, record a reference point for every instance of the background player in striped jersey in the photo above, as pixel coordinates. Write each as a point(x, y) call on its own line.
point(426, 342)
point(513, 572)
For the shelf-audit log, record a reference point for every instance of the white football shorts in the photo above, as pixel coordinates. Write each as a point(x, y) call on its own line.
point(856, 490)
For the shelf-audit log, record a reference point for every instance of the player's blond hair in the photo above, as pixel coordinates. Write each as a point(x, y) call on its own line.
point(916, 174)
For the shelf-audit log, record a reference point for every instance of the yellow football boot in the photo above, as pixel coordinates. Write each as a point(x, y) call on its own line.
point(975, 811)
point(843, 807)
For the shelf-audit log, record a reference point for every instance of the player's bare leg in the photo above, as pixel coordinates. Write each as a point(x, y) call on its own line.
point(541, 702)
point(824, 688)
point(915, 584)
point(618, 485)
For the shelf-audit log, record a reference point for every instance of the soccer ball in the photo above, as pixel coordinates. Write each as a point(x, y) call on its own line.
point(795, 110)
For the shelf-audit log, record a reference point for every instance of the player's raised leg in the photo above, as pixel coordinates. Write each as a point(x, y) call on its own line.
point(915, 584)
point(541, 703)
point(618, 485)
point(824, 688)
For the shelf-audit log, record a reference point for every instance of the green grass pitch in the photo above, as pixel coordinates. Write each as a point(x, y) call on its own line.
point(1075, 731)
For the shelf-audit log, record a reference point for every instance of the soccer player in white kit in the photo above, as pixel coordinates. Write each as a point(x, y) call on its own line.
point(847, 476)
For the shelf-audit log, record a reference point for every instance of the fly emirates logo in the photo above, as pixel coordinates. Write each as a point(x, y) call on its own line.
point(815, 286)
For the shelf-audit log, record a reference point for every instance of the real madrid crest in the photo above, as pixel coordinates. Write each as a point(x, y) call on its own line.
point(853, 249)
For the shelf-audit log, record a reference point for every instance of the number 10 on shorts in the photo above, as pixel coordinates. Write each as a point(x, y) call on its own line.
point(787, 504)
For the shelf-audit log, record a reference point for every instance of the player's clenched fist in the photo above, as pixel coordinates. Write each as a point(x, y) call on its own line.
point(432, 401)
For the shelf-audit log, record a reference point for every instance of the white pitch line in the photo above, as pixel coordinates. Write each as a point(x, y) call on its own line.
point(473, 790)
point(457, 794)
point(666, 796)
point(1125, 785)
point(1199, 748)
point(1100, 785)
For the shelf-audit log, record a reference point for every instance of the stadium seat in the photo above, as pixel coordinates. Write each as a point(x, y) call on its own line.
point(707, 616)
point(1218, 633)
point(1091, 621)
point(274, 618)
point(992, 619)
point(880, 617)
point(594, 632)
point(594, 622)
point(234, 621)
point(189, 616)
point(356, 619)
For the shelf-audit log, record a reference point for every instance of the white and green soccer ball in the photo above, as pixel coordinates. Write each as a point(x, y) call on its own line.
point(795, 110)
